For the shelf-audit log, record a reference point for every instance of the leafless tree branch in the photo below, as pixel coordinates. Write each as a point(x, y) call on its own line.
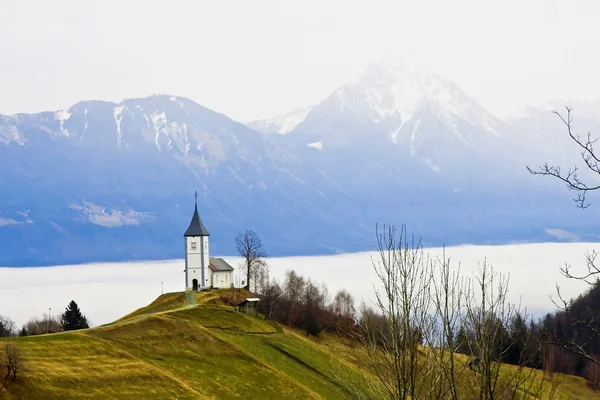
point(571, 177)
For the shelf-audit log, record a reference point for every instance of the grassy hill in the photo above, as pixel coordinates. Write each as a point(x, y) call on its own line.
point(194, 346)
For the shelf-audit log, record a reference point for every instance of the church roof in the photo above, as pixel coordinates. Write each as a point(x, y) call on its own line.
point(218, 264)
point(196, 227)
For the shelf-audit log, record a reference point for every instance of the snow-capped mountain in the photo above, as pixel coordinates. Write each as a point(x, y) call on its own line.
point(388, 93)
point(281, 124)
point(115, 181)
point(110, 170)
point(411, 113)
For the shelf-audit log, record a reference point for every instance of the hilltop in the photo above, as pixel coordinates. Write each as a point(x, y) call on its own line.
point(195, 346)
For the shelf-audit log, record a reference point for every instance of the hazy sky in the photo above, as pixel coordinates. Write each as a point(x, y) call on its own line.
point(257, 59)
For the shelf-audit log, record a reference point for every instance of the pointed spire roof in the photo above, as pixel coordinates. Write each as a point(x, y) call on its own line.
point(196, 227)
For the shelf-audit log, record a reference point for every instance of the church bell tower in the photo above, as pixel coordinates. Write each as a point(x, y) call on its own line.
point(197, 271)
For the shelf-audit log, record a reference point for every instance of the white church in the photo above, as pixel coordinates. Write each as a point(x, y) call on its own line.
point(203, 272)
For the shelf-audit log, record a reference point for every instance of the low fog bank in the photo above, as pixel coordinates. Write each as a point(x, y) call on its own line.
point(107, 291)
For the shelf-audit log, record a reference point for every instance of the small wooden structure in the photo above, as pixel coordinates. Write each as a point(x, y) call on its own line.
point(248, 306)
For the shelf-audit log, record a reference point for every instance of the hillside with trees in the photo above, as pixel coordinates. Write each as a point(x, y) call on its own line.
point(431, 333)
point(307, 344)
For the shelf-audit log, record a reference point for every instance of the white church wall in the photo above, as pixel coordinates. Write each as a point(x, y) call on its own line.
point(208, 277)
point(194, 261)
point(194, 274)
point(193, 244)
point(204, 251)
point(198, 256)
point(222, 279)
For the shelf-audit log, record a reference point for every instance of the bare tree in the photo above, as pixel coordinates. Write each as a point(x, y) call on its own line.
point(592, 373)
point(582, 324)
point(314, 303)
point(13, 360)
point(571, 176)
point(392, 350)
point(425, 314)
point(7, 326)
point(586, 322)
point(343, 309)
point(271, 296)
point(39, 326)
point(260, 277)
point(488, 316)
point(269, 290)
point(293, 289)
point(451, 291)
point(549, 353)
point(250, 248)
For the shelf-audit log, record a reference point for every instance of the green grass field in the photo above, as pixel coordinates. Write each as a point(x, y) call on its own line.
point(174, 349)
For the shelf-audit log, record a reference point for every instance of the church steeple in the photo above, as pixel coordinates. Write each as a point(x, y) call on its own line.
point(196, 227)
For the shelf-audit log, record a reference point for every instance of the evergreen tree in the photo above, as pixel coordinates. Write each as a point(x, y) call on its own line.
point(463, 342)
point(72, 319)
point(516, 353)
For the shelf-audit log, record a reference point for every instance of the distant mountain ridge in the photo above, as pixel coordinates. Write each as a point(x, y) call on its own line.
point(282, 124)
point(415, 110)
point(106, 181)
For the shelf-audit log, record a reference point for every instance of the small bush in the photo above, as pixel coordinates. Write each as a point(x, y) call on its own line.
point(13, 360)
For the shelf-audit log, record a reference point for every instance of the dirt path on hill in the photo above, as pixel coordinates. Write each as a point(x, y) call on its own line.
point(191, 299)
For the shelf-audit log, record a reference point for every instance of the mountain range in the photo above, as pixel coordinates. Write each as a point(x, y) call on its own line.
point(104, 181)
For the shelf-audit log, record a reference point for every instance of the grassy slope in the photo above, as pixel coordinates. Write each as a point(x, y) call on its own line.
point(170, 349)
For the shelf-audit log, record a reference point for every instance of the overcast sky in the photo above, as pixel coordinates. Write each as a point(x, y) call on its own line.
point(257, 59)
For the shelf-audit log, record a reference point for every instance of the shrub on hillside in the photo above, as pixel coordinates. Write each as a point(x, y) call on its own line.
point(7, 326)
point(12, 360)
point(303, 304)
point(39, 326)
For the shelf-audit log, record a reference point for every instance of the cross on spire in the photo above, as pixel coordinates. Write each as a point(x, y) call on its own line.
point(196, 198)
